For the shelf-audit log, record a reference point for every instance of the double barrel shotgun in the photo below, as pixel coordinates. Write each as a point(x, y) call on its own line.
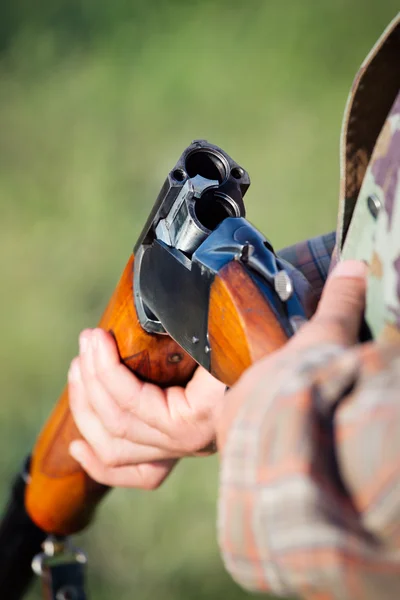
point(202, 286)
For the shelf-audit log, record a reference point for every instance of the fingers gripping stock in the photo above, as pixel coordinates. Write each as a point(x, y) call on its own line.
point(205, 287)
point(60, 497)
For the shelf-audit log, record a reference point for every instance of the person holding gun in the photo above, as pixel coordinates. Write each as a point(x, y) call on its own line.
point(309, 437)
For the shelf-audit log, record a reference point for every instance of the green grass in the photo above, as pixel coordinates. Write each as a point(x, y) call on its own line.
point(92, 116)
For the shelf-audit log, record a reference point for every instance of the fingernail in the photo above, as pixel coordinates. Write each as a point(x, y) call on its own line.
point(83, 342)
point(74, 450)
point(94, 339)
point(74, 373)
point(350, 268)
point(102, 350)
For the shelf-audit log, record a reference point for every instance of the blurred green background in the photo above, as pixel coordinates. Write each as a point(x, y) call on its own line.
point(97, 101)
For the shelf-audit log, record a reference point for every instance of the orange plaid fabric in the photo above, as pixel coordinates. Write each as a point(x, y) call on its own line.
point(310, 486)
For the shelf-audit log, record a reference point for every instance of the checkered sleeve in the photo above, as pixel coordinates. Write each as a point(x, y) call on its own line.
point(309, 502)
point(312, 258)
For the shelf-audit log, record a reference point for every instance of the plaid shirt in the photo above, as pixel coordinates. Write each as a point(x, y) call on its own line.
point(309, 502)
point(312, 258)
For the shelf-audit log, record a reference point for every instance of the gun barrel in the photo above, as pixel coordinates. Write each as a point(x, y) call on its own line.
point(221, 184)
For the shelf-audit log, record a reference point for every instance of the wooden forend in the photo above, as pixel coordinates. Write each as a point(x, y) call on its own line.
point(241, 325)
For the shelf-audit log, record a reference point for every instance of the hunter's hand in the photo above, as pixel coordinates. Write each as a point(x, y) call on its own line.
point(135, 431)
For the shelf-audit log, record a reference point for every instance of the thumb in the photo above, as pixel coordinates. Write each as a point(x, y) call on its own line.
point(340, 310)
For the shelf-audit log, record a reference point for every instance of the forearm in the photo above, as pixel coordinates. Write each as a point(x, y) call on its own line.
point(310, 477)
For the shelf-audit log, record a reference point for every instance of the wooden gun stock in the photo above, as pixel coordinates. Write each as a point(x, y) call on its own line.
point(61, 497)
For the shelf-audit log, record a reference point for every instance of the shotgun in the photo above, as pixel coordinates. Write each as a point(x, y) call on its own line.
point(202, 286)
